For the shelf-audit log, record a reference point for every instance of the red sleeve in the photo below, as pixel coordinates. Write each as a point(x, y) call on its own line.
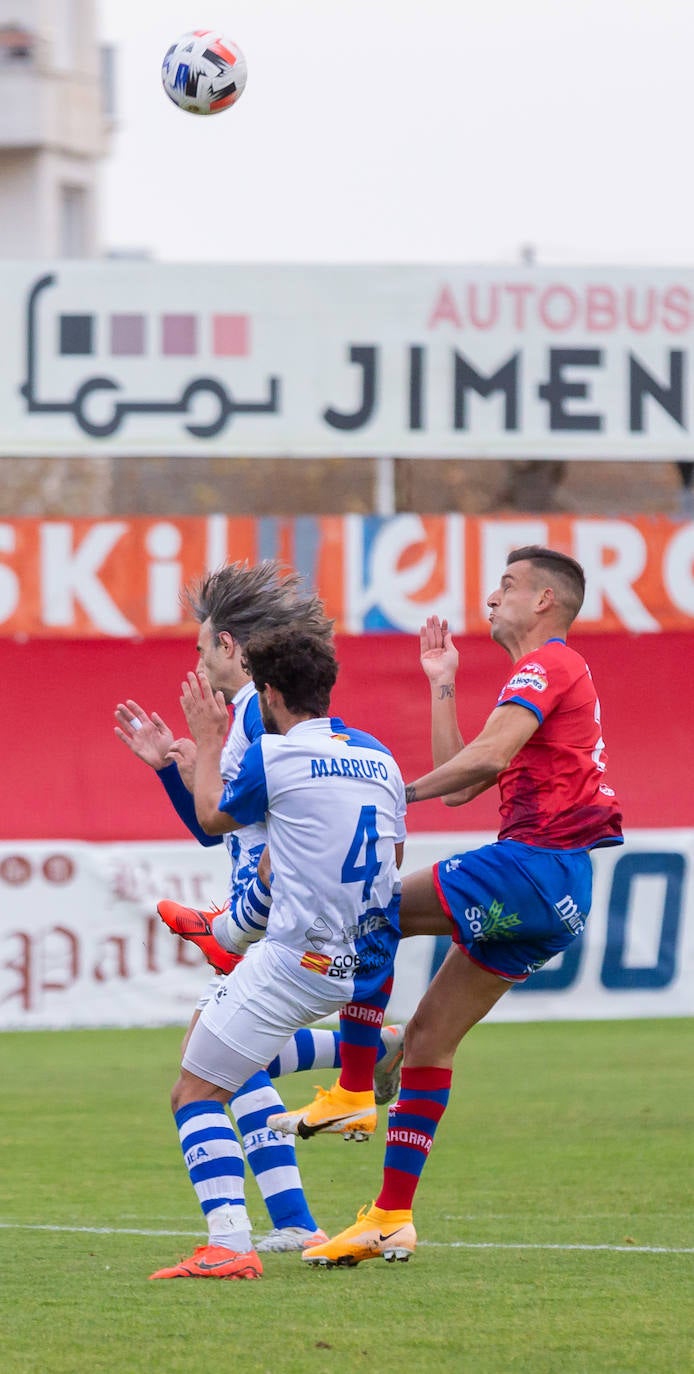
point(538, 681)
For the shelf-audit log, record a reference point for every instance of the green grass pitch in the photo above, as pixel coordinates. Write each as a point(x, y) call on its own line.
point(554, 1217)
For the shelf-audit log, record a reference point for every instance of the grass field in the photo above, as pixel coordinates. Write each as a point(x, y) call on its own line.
point(555, 1217)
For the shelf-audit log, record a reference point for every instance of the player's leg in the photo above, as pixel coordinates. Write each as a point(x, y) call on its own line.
point(236, 1034)
point(348, 1108)
point(459, 996)
point(316, 1047)
point(421, 912)
point(312, 1048)
point(272, 1158)
point(214, 1162)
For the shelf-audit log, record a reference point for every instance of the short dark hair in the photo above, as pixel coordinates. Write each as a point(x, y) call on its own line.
point(302, 666)
point(569, 573)
point(243, 597)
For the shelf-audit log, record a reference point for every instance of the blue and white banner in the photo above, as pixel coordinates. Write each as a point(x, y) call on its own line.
point(81, 944)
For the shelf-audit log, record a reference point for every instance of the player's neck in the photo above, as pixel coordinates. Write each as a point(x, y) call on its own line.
point(289, 719)
point(532, 640)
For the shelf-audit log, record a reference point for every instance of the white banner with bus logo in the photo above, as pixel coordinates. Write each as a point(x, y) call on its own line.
point(81, 944)
point(418, 361)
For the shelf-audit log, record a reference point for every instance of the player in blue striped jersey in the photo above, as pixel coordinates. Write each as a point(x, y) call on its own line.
point(334, 800)
point(229, 604)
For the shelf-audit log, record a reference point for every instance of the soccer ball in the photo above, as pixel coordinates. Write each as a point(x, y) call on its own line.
point(203, 72)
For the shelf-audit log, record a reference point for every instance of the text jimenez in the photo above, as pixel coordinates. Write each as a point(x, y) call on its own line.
point(570, 375)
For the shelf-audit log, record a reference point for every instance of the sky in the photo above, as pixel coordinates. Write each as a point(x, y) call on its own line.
point(394, 131)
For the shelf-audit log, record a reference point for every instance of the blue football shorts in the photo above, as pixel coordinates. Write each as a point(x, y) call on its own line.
point(513, 906)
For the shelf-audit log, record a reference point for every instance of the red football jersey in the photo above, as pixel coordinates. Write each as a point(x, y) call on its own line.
point(554, 793)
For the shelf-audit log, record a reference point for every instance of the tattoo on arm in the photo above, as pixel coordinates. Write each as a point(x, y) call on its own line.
point(410, 792)
point(446, 690)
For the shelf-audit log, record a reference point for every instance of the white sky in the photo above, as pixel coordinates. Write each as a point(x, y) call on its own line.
point(411, 131)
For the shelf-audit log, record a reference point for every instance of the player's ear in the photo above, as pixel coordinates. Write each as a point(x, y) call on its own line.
point(227, 642)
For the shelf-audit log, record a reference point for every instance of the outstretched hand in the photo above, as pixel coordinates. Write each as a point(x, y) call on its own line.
point(206, 711)
point(148, 737)
point(437, 652)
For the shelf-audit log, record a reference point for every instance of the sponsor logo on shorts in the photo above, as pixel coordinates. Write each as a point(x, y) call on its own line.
point(319, 933)
point(346, 965)
point(366, 927)
point(317, 963)
point(569, 913)
point(492, 924)
point(536, 965)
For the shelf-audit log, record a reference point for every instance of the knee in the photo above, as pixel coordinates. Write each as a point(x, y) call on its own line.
point(415, 1040)
point(422, 1049)
point(178, 1098)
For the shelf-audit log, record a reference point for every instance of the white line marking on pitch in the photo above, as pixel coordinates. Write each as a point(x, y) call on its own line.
point(432, 1244)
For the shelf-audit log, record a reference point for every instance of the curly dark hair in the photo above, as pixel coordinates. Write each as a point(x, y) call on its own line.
point(568, 574)
point(302, 666)
point(242, 597)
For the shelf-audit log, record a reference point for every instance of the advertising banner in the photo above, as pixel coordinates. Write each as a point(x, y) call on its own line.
point(65, 773)
point(420, 361)
point(81, 944)
point(123, 577)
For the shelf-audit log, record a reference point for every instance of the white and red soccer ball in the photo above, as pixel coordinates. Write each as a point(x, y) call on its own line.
point(203, 72)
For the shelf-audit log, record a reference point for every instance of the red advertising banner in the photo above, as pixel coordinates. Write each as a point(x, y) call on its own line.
point(66, 776)
point(122, 578)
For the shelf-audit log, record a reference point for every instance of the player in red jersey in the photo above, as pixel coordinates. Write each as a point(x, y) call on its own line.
point(512, 904)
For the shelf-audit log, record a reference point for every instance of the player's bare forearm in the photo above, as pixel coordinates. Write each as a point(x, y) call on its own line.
point(446, 739)
point(469, 769)
point(478, 764)
point(439, 659)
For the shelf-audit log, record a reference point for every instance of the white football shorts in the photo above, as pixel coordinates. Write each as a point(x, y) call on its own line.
point(253, 1014)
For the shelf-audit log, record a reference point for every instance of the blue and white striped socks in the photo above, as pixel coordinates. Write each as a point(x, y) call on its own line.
point(214, 1162)
point(271, 1156)
point(245, 920)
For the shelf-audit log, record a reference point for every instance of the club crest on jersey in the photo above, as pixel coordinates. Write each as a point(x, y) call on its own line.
point(531, 675)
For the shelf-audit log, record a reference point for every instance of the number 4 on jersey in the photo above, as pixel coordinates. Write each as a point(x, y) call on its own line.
point(365, 839)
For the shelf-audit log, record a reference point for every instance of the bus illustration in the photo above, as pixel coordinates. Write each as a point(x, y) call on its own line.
point(134, 340)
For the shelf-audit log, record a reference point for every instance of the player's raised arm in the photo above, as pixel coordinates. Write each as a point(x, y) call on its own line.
point(479, 763)
point(208, 721)
point(439, 659)
point(182, 753)
point(147, 737)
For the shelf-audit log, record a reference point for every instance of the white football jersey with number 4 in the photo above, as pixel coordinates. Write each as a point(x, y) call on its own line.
point(334, 801)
